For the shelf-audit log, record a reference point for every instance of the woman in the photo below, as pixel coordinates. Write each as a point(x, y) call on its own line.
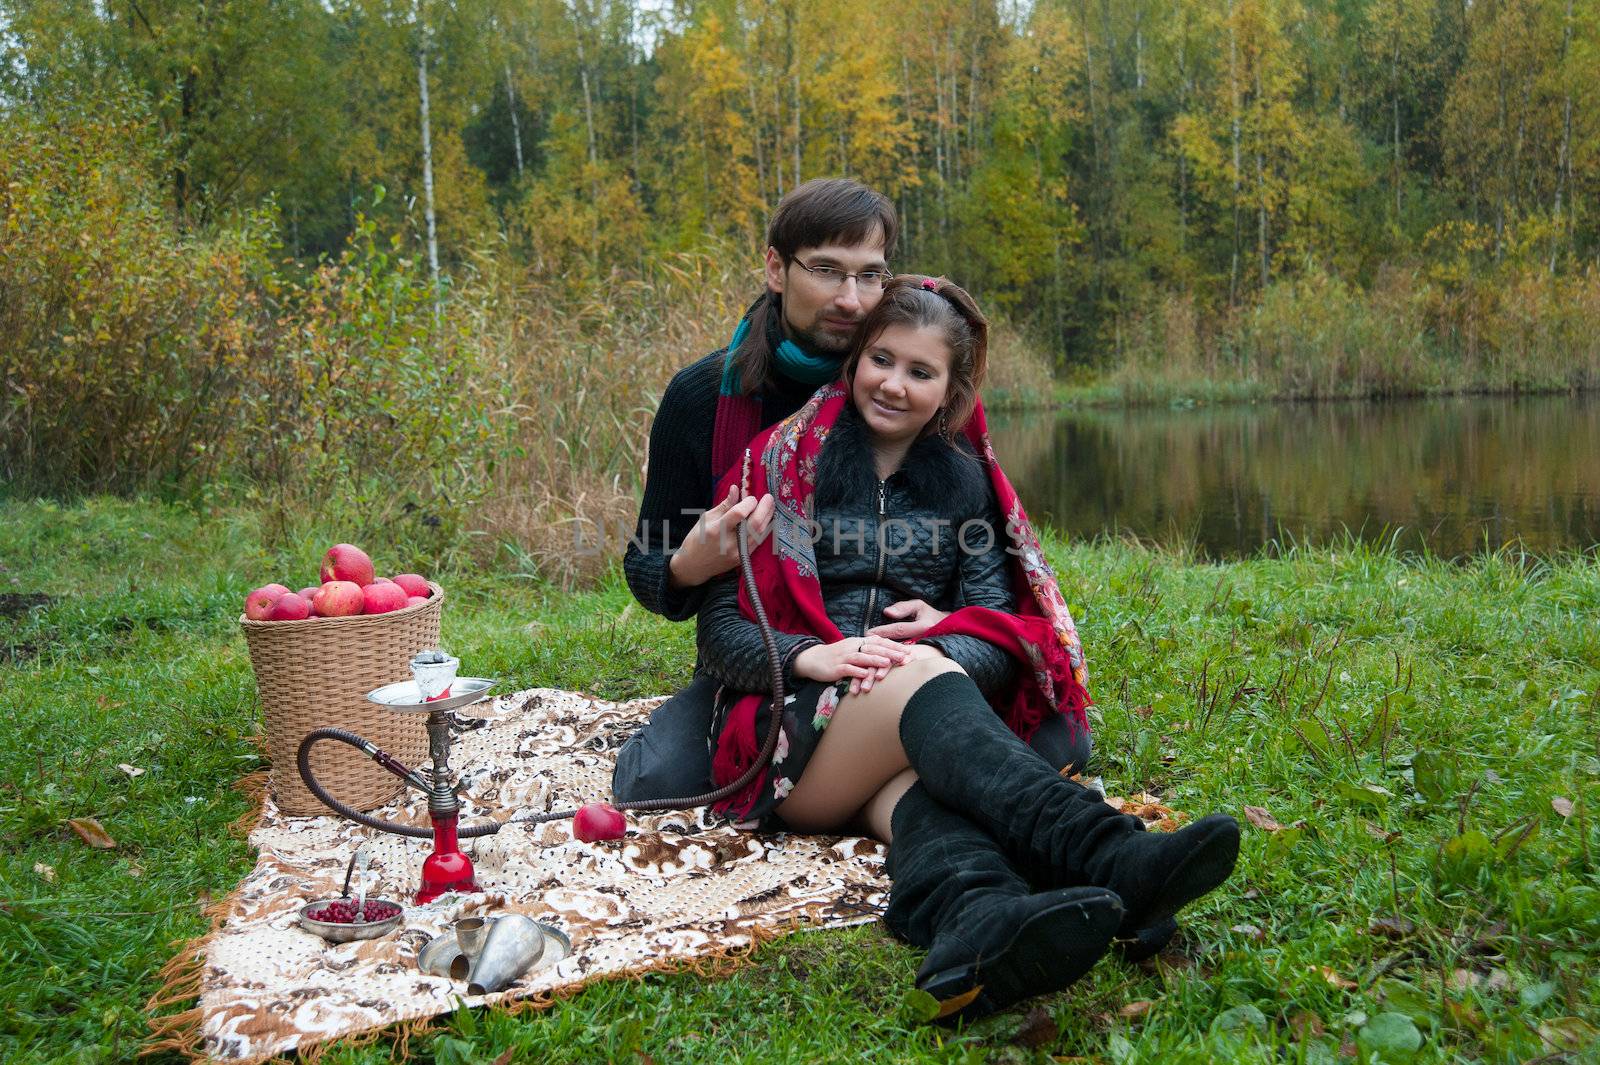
point(1014, 878)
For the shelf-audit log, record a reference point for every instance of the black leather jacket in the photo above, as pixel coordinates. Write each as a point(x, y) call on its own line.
point(938, 493)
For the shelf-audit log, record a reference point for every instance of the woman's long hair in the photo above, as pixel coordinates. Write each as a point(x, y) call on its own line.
point(934, 303)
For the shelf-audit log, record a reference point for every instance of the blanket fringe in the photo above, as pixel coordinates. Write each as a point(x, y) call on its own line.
point(253, 786)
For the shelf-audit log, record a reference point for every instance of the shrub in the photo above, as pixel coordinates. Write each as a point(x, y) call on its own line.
point(122, 340)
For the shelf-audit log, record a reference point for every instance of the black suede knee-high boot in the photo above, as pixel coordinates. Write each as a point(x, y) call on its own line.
point(991, 940)
point(968, 760)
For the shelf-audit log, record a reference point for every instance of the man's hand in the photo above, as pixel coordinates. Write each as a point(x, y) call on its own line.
point(916, 618)
point(712, 546)
point(854, 657)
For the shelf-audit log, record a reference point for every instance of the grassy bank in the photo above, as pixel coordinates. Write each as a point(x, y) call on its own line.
point(1416, 729)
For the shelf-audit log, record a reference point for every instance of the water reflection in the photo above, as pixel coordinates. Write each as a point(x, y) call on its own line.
point(1453, 473)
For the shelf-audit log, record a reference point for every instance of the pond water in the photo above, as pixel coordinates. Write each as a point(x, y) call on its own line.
point(1454, 474)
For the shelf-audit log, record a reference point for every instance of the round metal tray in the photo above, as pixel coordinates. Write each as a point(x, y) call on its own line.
point(338, 932)
point(406, 698)
point(442, 955)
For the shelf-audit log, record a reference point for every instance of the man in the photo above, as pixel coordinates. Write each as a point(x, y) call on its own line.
point(827, 260)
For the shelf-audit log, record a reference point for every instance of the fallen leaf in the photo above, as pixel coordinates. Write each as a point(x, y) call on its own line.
point(1259, 817)
point(1249, 930)
point(1167, 824)
point(1378, 832)
point(1499, 980)
point(1038, 1029)
point(1465, 1016)
point(1305, 1024)
point(1333, 977)
point(1146, 798)
point(1143, 712)
point(1094, 784)
point(1253, 893)
point(1116, 802)
point(1393, 927)
point(46, 871)
point(1131, 1010)
point(505, 1057)
point(1562, 805)
point(1567, 1033)
point(89, 830)
point(135, 870)
point(1461, 979)
point(131, 770)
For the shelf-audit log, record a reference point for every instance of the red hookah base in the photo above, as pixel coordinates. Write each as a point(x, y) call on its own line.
point(446, 869)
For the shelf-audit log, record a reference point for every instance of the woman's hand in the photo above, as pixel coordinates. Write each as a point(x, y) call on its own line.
point(913, 653)
point(916, 618)
point(712, 546)
point(854, 657)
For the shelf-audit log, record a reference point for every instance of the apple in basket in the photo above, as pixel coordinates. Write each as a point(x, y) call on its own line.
point(289, 607)
point(259, 602)
point(347, 562)
point(414, 584)
point(382, 598)
point(338, 599)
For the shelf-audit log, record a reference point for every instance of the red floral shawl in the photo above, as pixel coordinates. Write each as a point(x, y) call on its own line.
point(1040, 634)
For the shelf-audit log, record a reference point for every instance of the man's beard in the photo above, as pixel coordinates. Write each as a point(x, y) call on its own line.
point(823, 340)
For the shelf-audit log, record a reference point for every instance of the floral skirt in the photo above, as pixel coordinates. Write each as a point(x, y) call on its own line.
point(806, 713)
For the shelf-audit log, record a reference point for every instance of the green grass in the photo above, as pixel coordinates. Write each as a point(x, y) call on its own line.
point(1292, 683)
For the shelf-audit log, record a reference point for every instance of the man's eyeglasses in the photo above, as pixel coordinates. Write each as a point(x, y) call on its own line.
point(833, 277)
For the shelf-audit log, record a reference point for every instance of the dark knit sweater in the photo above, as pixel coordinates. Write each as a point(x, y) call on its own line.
point(679, 480)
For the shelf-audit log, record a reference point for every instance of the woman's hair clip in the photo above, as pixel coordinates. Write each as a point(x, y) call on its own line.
point(931, 284)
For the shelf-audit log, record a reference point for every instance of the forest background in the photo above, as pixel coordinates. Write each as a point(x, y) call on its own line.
point(445, 255)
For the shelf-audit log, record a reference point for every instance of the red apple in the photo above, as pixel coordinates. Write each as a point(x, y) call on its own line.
point(597, 821)
point(338, 599)
point(347, 562)
point(415, 600)
point(381, 580)
point(259, 602)
point(382, 598)
point(289, 607)
point(413, 584)
point(309, 592)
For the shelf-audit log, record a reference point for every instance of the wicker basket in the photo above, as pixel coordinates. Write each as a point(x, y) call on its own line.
point(317, 673)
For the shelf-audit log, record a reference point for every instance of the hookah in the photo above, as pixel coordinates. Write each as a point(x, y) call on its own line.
point(437, 691)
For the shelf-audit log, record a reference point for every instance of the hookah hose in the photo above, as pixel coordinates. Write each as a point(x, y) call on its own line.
point(393, 765)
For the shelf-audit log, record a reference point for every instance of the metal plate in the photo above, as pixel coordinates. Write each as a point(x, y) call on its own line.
point(406, 698)
point(338, 932)
point(437, 954)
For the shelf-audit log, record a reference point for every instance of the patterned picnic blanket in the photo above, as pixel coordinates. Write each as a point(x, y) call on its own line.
point(677, 891)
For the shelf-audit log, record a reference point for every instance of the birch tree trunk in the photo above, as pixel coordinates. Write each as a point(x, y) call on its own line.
point(1233, 97)
point(427, 173)
point(516, 126)
point(1564, 164)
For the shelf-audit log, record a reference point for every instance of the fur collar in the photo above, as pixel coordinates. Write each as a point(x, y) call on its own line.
point(945, 479)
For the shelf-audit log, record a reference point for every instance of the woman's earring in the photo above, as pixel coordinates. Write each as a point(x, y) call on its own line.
point(944, 422)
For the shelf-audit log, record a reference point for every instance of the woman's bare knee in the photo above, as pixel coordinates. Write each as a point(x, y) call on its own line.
point(901, 681)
